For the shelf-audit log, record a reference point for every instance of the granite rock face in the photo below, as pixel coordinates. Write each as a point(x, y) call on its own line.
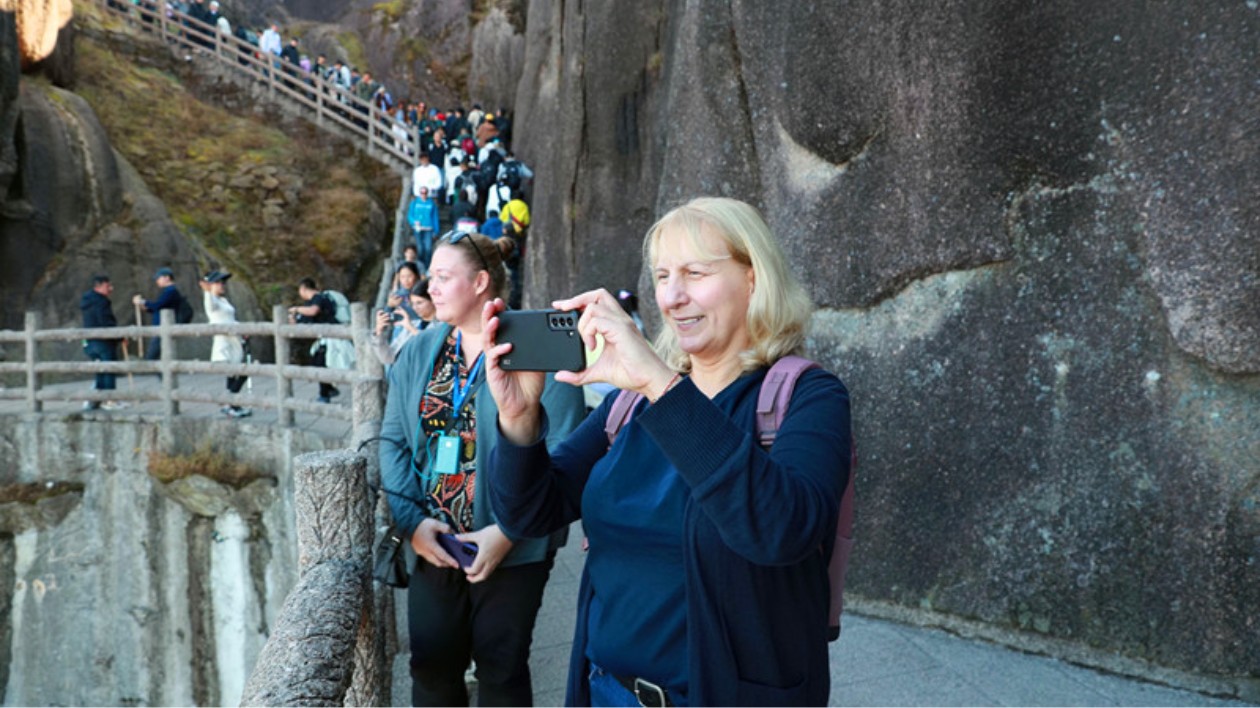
point(1031, 233)
point(85, 211)
point(161, 594)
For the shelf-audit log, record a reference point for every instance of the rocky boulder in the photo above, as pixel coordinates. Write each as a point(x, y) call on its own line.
point(498, 56)
point(89, 212)
point(1030, 231)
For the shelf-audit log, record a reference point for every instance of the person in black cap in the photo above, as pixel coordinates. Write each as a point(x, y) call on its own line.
point(169, 298)
point(228, 348)
point(98, 312)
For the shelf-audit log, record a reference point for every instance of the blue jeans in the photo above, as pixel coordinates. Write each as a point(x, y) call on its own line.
point(606, 691)
point(424, 248)
point(101, 350)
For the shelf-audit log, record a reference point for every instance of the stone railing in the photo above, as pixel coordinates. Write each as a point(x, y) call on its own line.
point(322, 102)
point(327, 647)
point(365, 380)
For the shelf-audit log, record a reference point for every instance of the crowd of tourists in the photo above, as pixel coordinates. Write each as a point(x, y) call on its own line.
point(708, 577)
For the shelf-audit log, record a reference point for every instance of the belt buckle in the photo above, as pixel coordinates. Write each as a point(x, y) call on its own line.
point(651, 690)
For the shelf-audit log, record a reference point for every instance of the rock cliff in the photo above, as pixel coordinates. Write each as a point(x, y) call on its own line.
point(1031, 232)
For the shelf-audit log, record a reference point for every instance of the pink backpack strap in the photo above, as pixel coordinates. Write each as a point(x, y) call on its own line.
point(619, 414)
point(776, 394)
point(839, 564)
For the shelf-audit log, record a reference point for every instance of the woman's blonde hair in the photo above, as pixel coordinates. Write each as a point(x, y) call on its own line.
point(778, 310)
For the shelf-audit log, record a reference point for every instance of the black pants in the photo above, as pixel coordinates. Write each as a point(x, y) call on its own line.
point(451, 620)
point(234, 383)
point(102, 350)
point(320, 359)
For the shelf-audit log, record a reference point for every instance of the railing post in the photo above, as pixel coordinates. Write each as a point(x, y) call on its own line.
point(284, 385)
point(33, 404)
point(368, 408)
point(170, 407)
point(326, 646)
point(415, 142)
point(320, 94)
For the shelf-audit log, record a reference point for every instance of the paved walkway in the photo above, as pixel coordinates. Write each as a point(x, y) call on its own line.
point(875, 663)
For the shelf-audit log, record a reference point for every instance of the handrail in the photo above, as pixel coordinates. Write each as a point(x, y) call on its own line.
point(331, 105)
point(366, 374)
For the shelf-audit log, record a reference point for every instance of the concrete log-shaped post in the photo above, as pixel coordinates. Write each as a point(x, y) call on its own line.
point(33, 404)
point(284, 385)
point(333, 508)
point(369, 391)
point(309, 659)
point(170, 407)
point(335, 519)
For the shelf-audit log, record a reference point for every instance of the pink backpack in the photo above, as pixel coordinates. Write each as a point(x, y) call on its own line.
point(772, 404)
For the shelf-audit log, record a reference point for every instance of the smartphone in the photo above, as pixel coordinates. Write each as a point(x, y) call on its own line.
point(463, 552)
point(542, 340)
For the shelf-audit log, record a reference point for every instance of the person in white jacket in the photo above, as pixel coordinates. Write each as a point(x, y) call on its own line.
point(228, 348)
point(426, 174)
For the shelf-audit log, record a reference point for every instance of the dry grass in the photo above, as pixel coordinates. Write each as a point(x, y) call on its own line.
point(205, 461)
point(33, 492)
point(190, 152)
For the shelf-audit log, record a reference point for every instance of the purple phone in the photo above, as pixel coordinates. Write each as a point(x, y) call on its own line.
point(462, 551)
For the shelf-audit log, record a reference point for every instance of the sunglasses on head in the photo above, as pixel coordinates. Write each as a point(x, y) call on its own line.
point(455, 237)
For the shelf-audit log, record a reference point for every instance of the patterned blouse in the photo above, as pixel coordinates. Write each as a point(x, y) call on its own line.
point(449, 497)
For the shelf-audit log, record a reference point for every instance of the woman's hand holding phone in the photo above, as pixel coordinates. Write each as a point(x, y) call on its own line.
point(628, 360)
point(518, 394)
point(492, 546)
point(424, 542)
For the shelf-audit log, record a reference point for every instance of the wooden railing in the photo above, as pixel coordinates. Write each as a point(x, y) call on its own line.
point(320, 101)
point(365, 380)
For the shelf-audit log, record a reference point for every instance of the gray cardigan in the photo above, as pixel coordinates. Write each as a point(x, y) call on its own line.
point(408, 379)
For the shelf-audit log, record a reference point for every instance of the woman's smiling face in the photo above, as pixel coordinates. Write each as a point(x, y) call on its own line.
point(703, 294)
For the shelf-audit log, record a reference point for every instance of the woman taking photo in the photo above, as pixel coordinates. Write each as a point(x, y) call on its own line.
point(394, 328)
point(436, 438)
point(706, 579)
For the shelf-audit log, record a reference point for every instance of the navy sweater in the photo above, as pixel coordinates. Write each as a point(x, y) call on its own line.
point(758, 529)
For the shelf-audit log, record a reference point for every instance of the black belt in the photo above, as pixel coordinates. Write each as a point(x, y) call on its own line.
point(649, 694)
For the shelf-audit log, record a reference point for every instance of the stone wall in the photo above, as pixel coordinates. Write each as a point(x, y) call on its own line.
point(1031, 233)
point(145, 593)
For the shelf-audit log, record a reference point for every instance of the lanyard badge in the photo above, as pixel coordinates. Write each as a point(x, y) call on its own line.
point(446, 459)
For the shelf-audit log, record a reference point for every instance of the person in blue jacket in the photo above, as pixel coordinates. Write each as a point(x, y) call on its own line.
point(706, 579)
point(423, 217)
point(436, 438)
point(168, 299)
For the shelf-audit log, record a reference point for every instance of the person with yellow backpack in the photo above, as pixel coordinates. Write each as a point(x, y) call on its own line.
point(515, 217)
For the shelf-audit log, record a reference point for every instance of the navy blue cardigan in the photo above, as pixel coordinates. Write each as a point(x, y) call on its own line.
point(759, 528)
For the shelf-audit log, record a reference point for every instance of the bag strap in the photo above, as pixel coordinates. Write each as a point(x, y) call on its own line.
point(776, 394)
point(619, 414)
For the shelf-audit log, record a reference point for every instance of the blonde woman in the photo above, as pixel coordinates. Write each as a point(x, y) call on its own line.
point(705, 582)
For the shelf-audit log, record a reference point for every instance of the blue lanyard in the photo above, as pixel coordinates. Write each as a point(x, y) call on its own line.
point(459, 394)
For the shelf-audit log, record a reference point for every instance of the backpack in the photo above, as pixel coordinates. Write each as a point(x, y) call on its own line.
point(342, 313)
point(772, 404)
point(512, 175)
point(183, 310)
